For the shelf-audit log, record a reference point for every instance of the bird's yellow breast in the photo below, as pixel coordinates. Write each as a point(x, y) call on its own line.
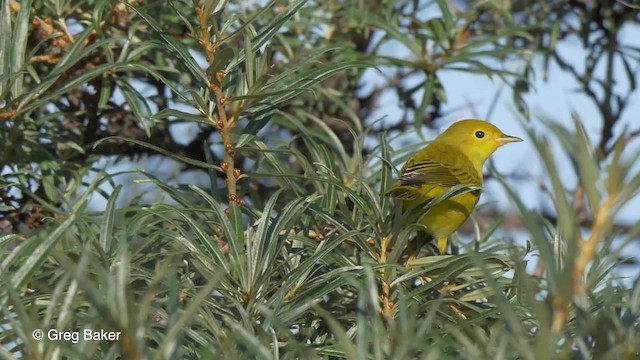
point(447, 216)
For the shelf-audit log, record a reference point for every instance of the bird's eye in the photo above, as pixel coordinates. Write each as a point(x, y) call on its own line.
point(479, 134)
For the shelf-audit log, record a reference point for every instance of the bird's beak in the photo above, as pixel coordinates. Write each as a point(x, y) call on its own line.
point(505, 139)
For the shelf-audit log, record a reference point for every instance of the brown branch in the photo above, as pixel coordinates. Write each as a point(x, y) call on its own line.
point(224, 124)
point(588, 248)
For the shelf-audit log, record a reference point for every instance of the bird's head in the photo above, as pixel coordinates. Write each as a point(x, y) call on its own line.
point(476, 138)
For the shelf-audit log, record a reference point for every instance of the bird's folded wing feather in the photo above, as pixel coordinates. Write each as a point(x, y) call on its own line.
point(420, 172)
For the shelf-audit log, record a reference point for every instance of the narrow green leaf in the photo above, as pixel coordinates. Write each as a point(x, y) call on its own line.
point(176, 47)
point(19, 44)
point(588, 168)
point(164, 152)
point(5, 45)
point(106, 236)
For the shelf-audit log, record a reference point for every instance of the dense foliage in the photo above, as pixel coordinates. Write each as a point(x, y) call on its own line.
point(280, 244)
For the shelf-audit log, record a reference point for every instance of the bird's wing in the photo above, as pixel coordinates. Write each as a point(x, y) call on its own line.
point(450, 170)
point(429, 172)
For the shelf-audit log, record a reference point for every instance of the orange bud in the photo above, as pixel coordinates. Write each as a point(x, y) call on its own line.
point(220, 76)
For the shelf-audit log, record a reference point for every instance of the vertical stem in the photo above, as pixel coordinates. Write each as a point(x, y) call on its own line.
point(224, 123)
point(588, 248)
point(225, 126)
point(387, 304)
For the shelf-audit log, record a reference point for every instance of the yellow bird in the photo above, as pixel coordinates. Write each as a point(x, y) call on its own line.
point(453, 158)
